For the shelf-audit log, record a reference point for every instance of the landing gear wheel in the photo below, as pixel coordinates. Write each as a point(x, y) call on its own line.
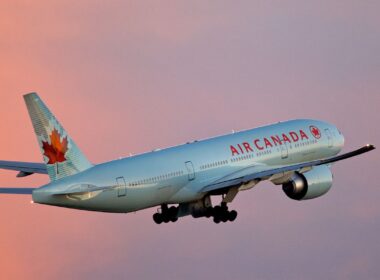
point(157, 218)
point(221, 213)
point(172, 211)
point(217, 210)
point(232, 215)
point(166, 219)
point(173, 219)
point(224, 216)
point(208, 212)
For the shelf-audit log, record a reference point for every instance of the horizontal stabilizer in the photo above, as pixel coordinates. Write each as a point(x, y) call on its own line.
point(24, 168)
point(16, 190)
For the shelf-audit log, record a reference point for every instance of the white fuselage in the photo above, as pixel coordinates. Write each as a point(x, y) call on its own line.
point(176, 175)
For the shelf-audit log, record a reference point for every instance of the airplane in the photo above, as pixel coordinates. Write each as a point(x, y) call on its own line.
point(181, 180)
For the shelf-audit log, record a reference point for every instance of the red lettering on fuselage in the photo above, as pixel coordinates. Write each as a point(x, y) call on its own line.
point(257, 145)
point(241, 150)
point(233, 150)
point(303, 135)
point(294, 136)
point(269, 142)
point(285, 138)
point(247, 147)
point(276, 140)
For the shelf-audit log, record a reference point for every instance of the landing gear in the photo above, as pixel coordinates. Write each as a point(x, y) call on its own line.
point(167, 215)
point(197, 209)
point(221, 214)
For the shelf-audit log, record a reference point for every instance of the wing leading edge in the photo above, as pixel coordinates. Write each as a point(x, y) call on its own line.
point(266, 174)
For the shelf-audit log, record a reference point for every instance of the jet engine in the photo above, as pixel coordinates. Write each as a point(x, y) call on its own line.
point(311, 184)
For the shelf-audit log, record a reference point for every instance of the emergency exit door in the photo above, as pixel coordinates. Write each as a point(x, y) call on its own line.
point(329, 137)
point(284, 150)
point(190, 170)
point(121, 186)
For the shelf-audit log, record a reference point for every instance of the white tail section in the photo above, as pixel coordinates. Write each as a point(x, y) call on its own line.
point(61, 155)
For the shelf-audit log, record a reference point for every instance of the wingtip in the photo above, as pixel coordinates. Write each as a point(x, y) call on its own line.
point(370, 147)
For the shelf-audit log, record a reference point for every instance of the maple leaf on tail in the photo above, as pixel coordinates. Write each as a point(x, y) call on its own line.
point(55, 151)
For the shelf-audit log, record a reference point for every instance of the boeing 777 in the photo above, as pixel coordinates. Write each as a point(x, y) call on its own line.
point(180, 180)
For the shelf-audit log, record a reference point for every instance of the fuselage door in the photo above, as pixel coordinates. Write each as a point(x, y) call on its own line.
point(121, 186)
point(190, 170)
point(284, 150)
point(329, 137)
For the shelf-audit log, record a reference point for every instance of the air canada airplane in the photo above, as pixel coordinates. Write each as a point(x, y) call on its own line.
point(180, 180)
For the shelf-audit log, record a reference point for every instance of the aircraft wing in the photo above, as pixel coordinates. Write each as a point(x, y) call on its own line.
point(266, 174)
point(24, 168)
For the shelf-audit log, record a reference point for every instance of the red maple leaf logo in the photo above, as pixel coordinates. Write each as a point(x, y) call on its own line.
point(315, 131)
point(57, 149)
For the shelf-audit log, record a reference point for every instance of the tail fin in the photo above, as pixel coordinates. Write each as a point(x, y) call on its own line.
point(61, 155)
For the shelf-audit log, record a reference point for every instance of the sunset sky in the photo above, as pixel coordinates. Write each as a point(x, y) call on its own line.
point(130, 76)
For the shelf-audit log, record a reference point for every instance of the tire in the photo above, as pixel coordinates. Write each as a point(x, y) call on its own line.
point(208, 212)
point(157, 218)
point(173, 211)
point(232, 215)
point(166, 219)
point(216, 211)
point(224, 217)
point(216, 220)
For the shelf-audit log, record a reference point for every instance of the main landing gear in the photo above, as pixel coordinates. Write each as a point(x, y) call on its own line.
point(167, 215)
point(200, 208)
point(221, 213)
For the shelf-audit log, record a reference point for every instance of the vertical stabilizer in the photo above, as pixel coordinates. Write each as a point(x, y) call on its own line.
point(61, 155)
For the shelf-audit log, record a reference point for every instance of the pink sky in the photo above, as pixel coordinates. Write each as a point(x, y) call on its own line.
point(129, 76)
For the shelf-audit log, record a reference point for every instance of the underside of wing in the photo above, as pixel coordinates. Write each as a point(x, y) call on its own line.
point(24, 168)
point(269, 172)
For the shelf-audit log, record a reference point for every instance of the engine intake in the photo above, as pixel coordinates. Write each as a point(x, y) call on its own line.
point(309, 185)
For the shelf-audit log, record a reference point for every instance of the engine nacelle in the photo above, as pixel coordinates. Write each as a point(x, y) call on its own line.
point(311, 184)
